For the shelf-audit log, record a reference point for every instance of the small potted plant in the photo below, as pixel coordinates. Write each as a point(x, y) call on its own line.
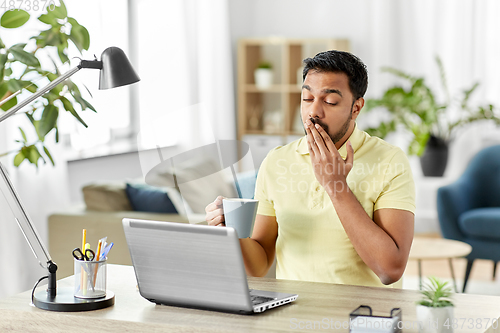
point(435, 309)
point(264, 75)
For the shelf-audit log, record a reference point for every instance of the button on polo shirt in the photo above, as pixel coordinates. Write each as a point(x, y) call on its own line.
point(312, 244)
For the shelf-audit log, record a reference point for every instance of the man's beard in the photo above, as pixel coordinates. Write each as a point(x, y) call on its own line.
point(336, 137)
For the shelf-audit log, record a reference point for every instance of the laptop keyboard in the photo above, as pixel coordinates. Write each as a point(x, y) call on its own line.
point(260, 299)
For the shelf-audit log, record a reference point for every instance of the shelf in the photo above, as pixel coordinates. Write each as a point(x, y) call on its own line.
point(276, 108)
point(276, 88)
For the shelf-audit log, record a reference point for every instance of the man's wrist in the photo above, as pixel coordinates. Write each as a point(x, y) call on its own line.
point(338, 190)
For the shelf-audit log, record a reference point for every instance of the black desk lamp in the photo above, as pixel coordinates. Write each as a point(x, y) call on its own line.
point(116, 71)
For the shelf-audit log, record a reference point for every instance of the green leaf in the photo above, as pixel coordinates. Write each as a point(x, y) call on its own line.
point(48, 37)
point(60, 12)
point(88, 105)
point(14, 19)
point(24, 57)
point(75, 92)
point(14, 85)
point(2, 45)
point(442, 75)
point(23, 134)
point(3, 61)
point(9, 104)
point(61, 51)
point(34, 122)
point(48, 18)
point(32, 154)
point(48, 121)
point(467, 94)
point(18, 46)
point(69, 107)
point(4, 88)
point(48, 155)
point(79, 35)
point(19, 158)
point(32, 88)
point(436, 293)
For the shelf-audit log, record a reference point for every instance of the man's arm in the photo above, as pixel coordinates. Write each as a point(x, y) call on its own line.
point(259, 250)
point(382, 243)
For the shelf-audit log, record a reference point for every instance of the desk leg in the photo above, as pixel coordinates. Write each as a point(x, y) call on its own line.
point(453, 275)
point(420, 273)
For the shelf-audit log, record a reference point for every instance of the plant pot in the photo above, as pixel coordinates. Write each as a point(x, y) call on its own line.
point(435, 320)
point(435, 157)
point(263, 78)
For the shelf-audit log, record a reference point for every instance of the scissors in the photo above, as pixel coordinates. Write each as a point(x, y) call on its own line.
point(88, 256)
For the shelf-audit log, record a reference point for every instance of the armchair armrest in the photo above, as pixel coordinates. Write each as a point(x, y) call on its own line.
point(452, 201)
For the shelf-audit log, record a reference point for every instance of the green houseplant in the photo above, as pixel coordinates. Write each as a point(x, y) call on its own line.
point(20, 68)
point(416, 109)
point(435, 309)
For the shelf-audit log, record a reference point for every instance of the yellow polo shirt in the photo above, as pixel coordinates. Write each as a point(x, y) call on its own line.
point(312, 244)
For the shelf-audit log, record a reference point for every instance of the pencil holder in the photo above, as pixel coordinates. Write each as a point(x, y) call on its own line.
point(90, 279)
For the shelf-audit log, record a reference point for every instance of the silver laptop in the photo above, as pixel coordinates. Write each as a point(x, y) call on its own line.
point(194, 266)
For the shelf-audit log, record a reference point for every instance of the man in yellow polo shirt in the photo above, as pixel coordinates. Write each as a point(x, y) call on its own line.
point(336, 205)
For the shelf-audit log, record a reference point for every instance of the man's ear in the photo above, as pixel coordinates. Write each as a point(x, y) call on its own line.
point(356, 108)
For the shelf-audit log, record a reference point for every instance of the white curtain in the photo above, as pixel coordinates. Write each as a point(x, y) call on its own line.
point(184, 59)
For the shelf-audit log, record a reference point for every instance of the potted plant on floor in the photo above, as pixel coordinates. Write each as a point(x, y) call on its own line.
point(435, 309)
point(264, 75)
point(416, 110)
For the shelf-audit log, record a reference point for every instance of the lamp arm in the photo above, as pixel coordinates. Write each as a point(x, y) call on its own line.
point(39, 93)
point(27, 228)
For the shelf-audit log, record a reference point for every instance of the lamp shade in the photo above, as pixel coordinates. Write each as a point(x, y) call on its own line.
point(116, 69)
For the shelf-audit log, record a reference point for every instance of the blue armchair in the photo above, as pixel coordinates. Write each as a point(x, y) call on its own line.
point(469, 208)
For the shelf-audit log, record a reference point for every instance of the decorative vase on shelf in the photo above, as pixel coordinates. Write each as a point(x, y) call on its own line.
point(272, 121)
point(264, 75)
point(435, 157)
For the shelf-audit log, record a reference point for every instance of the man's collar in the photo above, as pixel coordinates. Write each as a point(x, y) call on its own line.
point(356, 139)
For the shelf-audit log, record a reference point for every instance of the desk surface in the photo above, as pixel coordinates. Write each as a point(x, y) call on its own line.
point(424, 248)
point(321, 304)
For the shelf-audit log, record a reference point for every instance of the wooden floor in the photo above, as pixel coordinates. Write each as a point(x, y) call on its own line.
point(481, 270)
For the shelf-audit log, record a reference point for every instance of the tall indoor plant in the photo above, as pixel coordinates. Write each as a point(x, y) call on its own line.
point(416, 109)
point(20, 68)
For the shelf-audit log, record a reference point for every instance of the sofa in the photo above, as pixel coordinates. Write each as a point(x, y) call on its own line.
point(107, 203)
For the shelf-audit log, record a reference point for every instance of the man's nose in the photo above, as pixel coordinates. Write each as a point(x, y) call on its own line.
point(316, 110)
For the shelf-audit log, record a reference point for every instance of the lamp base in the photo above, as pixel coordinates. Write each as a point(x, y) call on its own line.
point(66, 302)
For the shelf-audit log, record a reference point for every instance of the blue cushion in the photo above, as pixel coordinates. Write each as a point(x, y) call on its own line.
point(246, 184)
point(146, 198)
point(481, 223)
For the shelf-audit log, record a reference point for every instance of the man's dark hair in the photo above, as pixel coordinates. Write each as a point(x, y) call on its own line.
point(343, 62)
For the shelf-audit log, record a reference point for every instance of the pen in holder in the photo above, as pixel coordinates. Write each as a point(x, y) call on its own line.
point(90, 278)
